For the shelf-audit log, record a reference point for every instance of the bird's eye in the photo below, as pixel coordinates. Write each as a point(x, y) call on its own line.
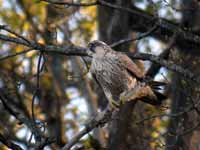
point(92, 47)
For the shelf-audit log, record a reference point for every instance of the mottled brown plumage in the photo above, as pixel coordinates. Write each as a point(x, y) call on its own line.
point(119, 76)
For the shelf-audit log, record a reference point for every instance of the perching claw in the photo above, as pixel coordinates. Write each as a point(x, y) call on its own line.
point(113, 103)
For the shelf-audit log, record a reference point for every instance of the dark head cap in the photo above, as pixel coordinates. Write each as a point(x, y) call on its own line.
point(92, 45)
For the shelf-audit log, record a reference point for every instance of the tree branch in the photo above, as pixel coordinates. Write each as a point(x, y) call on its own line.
point(72, 50)
point(139, 37)
point(146, 21)
point(168, 64)
point(153, 70)
point(9, 143)
point(4, 27)
point(71, 3)
point(15, 54)
point(99, 121)
point(62, 49)
point(7, 100)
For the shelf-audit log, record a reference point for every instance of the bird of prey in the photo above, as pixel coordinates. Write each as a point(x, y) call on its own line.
point(119, 77)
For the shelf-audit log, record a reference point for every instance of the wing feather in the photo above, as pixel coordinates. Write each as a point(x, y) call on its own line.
point(131, 67)
point(95, 78)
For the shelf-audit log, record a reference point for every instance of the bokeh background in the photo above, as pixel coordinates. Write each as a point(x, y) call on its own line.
point(67, 96)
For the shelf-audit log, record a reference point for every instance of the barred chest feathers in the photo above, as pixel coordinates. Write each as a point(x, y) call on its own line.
point(111, 74)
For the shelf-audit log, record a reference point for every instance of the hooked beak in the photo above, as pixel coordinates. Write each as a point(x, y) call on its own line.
point(89, 52)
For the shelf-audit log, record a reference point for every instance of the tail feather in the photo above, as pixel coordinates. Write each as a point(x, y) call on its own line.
point(155, 102)
point(160, 96)
point(155, 85)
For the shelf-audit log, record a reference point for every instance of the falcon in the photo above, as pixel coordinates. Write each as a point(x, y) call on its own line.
point(120, 78)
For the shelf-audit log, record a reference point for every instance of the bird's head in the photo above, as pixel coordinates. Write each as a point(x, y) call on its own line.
point(97, 48)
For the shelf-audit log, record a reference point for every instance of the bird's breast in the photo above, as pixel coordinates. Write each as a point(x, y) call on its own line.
point(111, 74)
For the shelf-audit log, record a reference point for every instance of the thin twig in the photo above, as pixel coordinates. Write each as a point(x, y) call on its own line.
point(186, 110)
point(153, 70)
point(139, 37)
point(6, 100)
point(71, 3)
point(62, 49)
point(4, 27)
point(166, 63)
point(97, 2)
point(189, 130)
point(163, 24)
point(39, 69)
point(155, 8)
point(15, 54)
point(9, 143)
point(37, 85)
point(167, 4)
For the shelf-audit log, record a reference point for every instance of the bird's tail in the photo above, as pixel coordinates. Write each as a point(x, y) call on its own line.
point(154, 97)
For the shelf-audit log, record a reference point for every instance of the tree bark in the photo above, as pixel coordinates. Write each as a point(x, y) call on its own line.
point(124, 134)
point(182, 134)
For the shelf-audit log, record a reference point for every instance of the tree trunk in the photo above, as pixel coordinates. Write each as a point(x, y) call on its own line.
point(124, 134)
point(183, 132)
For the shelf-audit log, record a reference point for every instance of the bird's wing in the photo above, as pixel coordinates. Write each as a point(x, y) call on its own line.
point(95, 78)
point(131, 67)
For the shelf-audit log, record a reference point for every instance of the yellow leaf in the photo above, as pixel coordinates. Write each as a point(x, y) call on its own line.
point(41, 41)
point(30, 54)
point(89, 11)
point(26, 26)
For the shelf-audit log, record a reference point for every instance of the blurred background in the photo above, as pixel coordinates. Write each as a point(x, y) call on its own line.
point(66, 95)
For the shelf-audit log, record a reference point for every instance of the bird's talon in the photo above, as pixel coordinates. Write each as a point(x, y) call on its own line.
point(123, 98)
point(114, 104)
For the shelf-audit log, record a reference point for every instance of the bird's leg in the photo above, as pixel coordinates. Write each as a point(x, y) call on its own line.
point(112, 102)
point(126, 95)
point(132, 94)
